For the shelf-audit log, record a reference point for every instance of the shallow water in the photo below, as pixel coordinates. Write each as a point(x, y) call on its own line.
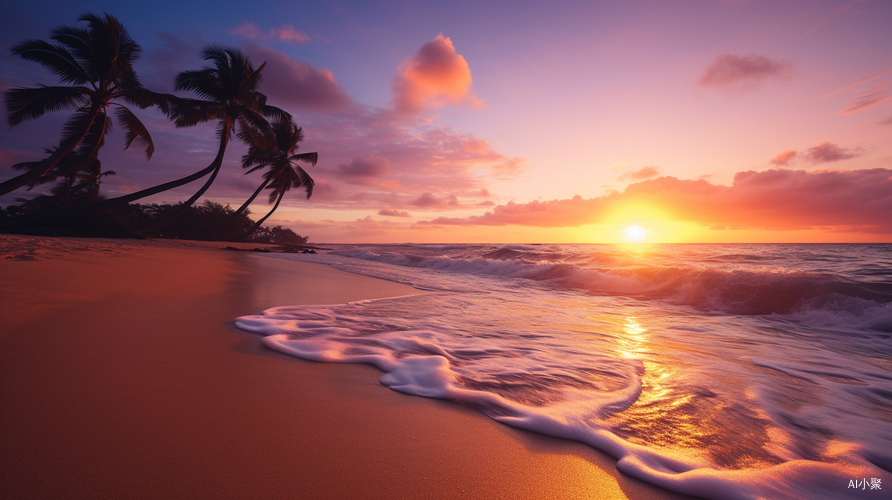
point(723, 371)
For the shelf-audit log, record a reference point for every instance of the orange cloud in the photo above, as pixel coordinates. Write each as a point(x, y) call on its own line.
point(286, 33)
point(785, 158)
point(731, 72)
point(640, 174)
point(434, 77)
point(854, 201)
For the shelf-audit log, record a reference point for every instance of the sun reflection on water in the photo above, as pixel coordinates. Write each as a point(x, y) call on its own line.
point(675, 410)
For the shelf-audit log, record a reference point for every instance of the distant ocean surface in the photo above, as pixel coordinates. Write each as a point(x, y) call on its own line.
point(722, 371)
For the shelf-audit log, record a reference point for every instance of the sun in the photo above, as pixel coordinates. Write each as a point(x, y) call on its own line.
point(634, 233)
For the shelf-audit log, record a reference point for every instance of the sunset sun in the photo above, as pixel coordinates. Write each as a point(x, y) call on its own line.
point(634, 234)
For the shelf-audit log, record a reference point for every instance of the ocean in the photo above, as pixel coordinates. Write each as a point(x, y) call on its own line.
point(720, 371)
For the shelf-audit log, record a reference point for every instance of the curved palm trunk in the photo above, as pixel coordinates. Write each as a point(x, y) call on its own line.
point(123, 200)
point(46, 165)
point(258, 223)
point(217, 163)
point(240, 210)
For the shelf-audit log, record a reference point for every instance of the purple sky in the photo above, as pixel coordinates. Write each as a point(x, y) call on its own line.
point(524, 121)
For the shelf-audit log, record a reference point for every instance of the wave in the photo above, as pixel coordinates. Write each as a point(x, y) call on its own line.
point(423, 359)
point(734, 291)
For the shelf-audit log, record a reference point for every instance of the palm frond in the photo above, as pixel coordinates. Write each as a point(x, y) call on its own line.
point(304, 180)
point(275, 113)
point(253, 81)
point(262, 133)
point(144, 98)
point(26, 165)
point(258, 158)
point(76, 126)
point(54, 58)
point(201, 82)
point(27, 104)
point(310, 158)
point(134, 130)
point(77, 42)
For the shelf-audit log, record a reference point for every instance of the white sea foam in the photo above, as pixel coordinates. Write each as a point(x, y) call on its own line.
point(685, 393)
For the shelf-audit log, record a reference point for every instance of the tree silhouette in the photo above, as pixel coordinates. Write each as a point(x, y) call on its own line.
point(280, 157)
point(97, 61)
point(228, 94)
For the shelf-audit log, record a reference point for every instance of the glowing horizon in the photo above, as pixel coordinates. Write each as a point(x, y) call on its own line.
point(435, 127)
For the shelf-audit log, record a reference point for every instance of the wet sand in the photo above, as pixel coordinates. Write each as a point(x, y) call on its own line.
point(121, 375)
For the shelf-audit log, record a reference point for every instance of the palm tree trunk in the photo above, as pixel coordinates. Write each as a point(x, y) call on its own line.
point(240, 210)
point(218, 162)
point(258, 223)
point(123, 200)
point(46, 165)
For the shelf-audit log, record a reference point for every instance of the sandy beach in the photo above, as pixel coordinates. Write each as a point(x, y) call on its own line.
point(121, 375)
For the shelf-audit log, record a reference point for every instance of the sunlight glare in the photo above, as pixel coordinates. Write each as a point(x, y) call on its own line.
point(634, 234)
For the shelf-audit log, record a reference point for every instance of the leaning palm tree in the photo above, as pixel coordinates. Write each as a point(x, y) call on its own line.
point(229, 94)
point(97, 61)
point(284, 173)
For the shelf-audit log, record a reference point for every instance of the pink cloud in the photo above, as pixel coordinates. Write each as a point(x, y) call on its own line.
point(422, 158)
point(432, 78)
point(393, 213)
point(857, 200)
point(868, 100)
point(731, 72)
point(826, 152)
point(640, 174)
point(872, 91)
point(785, 158)
point(285, 33)
point(297, 83)
point(428, 200)
point(363, 169)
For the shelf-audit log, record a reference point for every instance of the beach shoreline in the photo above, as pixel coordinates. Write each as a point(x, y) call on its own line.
point(122, 375)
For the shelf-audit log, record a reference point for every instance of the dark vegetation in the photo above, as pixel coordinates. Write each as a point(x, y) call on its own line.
point(94, 63)
point(198, 222)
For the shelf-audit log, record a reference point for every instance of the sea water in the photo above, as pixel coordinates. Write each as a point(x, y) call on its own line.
point(721, 371)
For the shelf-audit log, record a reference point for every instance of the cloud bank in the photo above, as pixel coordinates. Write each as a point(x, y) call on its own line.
point(854, 201)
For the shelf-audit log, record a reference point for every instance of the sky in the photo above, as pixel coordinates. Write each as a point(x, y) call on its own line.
point(566, 122)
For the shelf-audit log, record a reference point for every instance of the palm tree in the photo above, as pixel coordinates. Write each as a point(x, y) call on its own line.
point(77, 174)
point(284, 173)
point(97, 61)
point(229, 94)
